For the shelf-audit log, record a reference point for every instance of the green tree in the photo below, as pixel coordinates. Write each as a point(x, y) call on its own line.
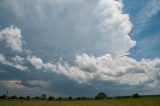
point(21, 97)
point(101, 95)
point(44, 96)
point(28, 97)
point(70, 98)
point(14, 97)
point(3, 97)
point(51, 98)
point(135, 95)
point(60, 98)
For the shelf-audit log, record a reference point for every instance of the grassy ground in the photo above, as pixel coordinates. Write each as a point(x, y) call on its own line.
point(147, 101)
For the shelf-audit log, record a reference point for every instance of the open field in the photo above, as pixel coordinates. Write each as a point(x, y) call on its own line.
point(147, 101)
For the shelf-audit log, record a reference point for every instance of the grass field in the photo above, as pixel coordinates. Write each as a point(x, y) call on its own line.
point(147, 101)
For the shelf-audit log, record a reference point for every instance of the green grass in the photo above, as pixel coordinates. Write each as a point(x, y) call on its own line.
point(146, 101)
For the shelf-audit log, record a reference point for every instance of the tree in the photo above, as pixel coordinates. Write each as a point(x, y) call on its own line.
point(37, 97)
point(70, 98)
point(60, 98)
point(3, 97)
point(83, 98)
point(44, 96)
point(14, 97)
point(135, 95)
point(28, 97)
point(51, 98)
point(78, 98)
point(101, 95)
point(21, 97)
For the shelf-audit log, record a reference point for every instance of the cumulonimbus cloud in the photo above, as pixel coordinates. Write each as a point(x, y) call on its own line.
point(101, 26)
point(113, 27)
point(107, 67)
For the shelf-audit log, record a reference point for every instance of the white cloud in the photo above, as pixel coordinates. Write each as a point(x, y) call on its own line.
point(18, 59)
point(12, 64)
point(18, 66)
point(122, 70)
point(39, 64)
point(71, 72)
point(115, 26)
point(13, 38)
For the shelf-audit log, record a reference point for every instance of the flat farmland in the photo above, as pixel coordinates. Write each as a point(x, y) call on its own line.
point(146, 101)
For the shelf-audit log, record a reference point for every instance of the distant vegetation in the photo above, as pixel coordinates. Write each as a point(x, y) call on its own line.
point(99, 96)
point(100, 99)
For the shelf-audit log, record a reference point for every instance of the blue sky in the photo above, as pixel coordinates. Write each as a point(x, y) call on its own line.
point(79, 47)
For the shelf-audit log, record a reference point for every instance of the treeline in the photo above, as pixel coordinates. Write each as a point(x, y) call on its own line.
point(44, 97)
point(100, 96)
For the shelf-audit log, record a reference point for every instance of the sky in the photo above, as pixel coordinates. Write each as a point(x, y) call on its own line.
point(79, 47)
